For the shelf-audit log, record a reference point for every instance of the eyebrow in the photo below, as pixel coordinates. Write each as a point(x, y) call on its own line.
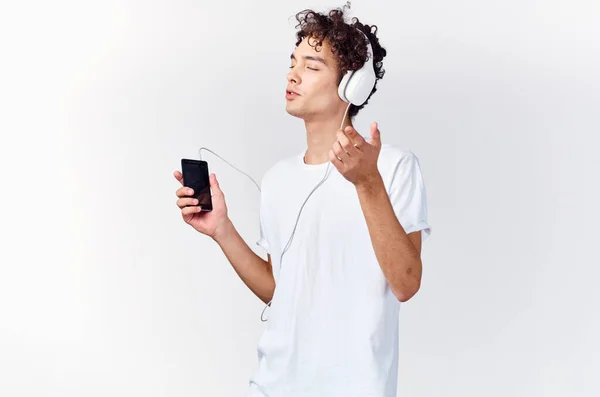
point(311, 58)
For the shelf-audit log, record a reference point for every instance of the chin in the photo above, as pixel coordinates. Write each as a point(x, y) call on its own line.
point(294, 112)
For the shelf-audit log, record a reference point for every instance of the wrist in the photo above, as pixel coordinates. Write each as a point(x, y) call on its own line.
point(223, 231)
point(371, 184)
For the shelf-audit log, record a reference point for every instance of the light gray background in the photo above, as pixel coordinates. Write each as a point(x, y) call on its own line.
point(105, 291)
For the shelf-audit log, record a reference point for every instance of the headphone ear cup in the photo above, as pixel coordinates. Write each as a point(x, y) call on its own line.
point(343, 85)
point(359, 87)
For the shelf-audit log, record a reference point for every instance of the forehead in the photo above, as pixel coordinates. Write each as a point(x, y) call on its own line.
point(307, 48)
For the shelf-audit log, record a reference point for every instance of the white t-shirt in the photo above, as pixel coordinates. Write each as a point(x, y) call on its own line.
point(332, 328)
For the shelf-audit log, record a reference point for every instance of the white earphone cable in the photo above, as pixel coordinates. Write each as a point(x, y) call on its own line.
point(297, 218)
point(200, 155)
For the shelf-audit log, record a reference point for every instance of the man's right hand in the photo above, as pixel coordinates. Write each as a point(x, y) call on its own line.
point(212, 223)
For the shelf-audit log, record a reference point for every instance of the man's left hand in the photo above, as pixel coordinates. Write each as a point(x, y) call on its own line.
point(354, 157)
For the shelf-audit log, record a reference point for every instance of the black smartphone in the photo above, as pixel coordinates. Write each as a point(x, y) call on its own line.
point(195, 176)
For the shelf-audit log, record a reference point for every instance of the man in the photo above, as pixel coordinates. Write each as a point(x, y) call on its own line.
point(332, 327)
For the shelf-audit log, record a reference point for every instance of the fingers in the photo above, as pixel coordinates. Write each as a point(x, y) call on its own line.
point(356, 139)
point(349, 144)
point(334, 159)
point(187, 201)
point(339, 153)
point(351, 141)
point(188, 205)
point(184, 191)
point(190, 210)
point(344, 143)
point(178, 176)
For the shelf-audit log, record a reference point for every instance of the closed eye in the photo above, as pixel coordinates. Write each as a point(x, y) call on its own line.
point(291, 67)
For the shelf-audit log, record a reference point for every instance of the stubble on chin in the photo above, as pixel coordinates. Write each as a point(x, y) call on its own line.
point(292, 111)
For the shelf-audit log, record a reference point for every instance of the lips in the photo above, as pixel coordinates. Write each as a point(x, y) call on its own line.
point(291, 94)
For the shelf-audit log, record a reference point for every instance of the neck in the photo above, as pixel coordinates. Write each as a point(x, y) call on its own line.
point(320, 137)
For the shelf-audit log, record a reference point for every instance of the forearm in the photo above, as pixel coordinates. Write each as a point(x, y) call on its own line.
point(254, 271)
point(397, 257)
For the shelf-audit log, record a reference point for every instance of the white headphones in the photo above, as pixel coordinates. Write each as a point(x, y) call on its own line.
point(356, 86)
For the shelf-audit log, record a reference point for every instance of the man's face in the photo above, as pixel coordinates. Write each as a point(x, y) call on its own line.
point(313, 76)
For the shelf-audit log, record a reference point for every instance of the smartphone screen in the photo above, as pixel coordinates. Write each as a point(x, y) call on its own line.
point(195, 176)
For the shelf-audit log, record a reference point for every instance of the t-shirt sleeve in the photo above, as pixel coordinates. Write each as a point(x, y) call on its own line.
point(262, 242)
point(408, 196)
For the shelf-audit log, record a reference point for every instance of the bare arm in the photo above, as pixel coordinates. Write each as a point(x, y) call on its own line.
point(254, 271)
point(398, 253)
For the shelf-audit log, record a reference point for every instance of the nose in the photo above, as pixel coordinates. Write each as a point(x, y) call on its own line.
point(292, 76)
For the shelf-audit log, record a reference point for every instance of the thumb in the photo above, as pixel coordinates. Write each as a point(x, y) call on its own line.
point(214, 184)
point(375, 135)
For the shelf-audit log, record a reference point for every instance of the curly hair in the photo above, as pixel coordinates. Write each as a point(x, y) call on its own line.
point(348, 46)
